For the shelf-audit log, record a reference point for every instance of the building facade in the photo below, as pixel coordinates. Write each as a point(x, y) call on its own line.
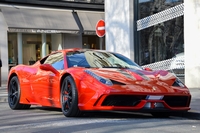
point(192, 39)
point(153, 31)
point(147, 31)
point(32, 29)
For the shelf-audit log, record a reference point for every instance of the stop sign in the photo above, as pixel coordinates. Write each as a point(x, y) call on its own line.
point(100, 28)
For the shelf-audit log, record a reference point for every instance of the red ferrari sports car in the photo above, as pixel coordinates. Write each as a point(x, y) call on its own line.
point(79, 80)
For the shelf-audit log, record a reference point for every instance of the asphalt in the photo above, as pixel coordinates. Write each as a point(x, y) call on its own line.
point(193, 113)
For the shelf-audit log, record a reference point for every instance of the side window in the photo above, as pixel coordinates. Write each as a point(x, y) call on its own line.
point(56, 60)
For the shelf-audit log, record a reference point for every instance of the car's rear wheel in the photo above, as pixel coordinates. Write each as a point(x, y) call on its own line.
point(69, 98)
point(14, 95)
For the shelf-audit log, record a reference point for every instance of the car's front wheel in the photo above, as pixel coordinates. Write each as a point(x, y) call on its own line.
point(69, 98)
point(14, 95)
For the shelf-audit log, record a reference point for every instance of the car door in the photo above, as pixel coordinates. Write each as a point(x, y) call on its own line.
point(46, 83)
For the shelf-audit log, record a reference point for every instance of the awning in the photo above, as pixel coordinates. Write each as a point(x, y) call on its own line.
point(41, 20)
point(89, 20)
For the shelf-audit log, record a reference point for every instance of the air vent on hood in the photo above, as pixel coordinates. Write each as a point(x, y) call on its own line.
point(117, 83)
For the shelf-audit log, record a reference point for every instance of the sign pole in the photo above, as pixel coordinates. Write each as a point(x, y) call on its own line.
point(101, 42)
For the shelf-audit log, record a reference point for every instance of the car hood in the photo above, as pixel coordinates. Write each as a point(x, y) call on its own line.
point(128, 76)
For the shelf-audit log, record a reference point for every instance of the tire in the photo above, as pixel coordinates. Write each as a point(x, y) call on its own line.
point(14, 95)
point(160, 114)
point(69, 98)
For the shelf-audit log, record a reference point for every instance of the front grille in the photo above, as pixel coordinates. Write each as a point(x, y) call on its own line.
point(176, 101)
point(122, 100)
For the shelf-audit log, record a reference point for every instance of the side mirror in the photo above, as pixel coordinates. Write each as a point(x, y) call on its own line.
point(148, 69)
point(48, 67)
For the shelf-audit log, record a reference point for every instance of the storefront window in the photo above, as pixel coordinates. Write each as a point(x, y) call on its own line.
point(162, 40)
point(150, 7)
point(93, 42)
point(12, 49)
point(88, 1)
point(32, 47)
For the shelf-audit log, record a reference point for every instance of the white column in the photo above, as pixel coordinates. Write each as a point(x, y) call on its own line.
point(19, 47)
point(43, 45)
point(3, 50)
point(56, 42)
point(192, 43)
point(119, 26)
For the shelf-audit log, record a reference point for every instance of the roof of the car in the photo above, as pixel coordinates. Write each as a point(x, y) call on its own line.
point(77, 49)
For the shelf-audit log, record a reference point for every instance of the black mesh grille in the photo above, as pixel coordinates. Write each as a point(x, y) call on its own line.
point(122, 100)
point(176, 101)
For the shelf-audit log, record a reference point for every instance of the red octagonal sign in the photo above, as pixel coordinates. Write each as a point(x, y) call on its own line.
point(100, 28)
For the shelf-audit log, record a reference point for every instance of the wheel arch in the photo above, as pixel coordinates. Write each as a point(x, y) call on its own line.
point(76, 80)
point(68, 74)
point(62, 78)
point(17, 104)
point(10, 77)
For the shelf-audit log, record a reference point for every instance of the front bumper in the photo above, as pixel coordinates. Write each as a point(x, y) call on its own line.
point(140, 103)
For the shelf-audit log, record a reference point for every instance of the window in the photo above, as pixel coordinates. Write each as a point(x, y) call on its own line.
point(56, 60)
point(99, 59)
point(161, 38)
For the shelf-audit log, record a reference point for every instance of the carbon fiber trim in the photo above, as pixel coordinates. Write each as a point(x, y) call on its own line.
point(160, 17)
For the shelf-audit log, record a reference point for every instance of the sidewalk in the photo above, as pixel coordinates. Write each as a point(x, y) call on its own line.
point(194, 112)
point(3, 93)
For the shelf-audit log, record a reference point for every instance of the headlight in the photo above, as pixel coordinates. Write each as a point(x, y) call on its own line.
point(99, 78)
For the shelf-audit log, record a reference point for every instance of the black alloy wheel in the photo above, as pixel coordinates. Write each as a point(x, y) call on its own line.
point(14, 95)
point(69, 98)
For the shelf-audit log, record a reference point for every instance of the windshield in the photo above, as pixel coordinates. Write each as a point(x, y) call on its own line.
point(99, 59)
